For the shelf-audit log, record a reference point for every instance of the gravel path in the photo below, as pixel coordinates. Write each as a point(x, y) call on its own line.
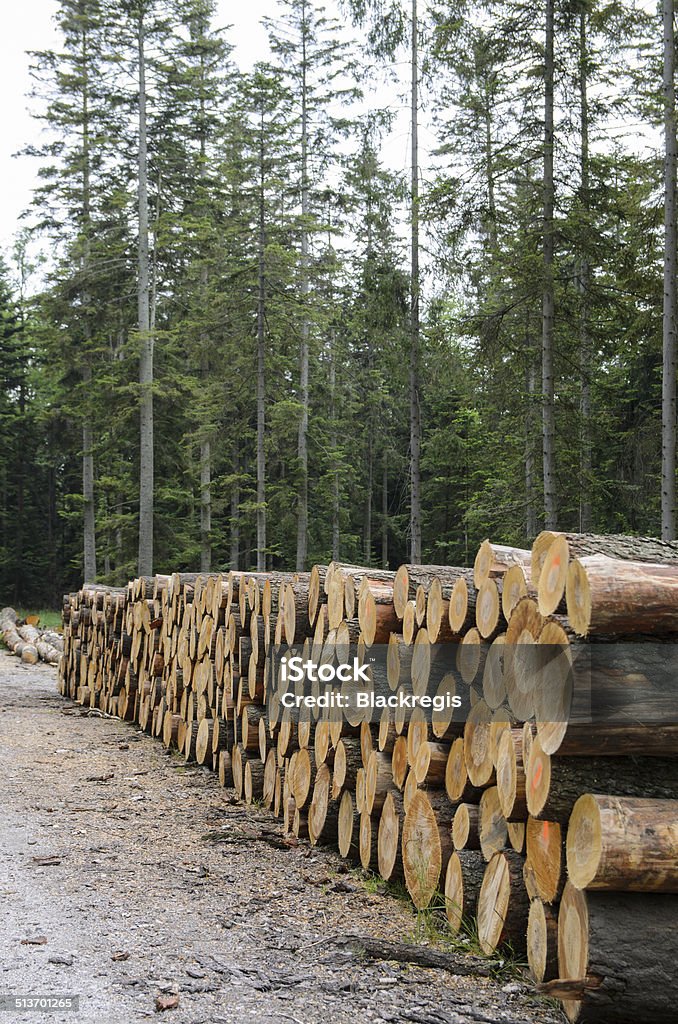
point(145, 880)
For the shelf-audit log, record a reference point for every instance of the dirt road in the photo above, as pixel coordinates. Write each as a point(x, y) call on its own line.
point(146, 881)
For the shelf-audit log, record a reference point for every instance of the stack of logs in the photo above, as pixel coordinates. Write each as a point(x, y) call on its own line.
point(28, 641)
point(524, 820)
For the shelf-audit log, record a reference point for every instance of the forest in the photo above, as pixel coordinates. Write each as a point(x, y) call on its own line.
point(234, 335)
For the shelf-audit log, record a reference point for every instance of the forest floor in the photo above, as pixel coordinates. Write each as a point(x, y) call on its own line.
point(126, 875)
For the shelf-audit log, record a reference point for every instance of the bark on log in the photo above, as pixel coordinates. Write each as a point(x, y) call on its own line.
point(609, 597)
point(555, 784)
point(495, 559)
point(617, 956)
point(623, 843)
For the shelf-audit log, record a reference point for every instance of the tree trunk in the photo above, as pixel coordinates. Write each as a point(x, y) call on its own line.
point(585, 460)
point(384, 514)
point(335, 467)
point(547, 382)
point(144, 328)
point(415, 412)
point(261, 363)
point(89, 527)
point(302, 443)
point(623, 843)
point(555, 784)
point(614, 598)
point(491, 222)
point(668, 500)
point(235, 512)
point(205, 483)
point(618, 952)
point(90, 558)
point(367, 530)
point(530, 469)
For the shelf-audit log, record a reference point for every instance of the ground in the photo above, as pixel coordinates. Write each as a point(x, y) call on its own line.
point(146, 879)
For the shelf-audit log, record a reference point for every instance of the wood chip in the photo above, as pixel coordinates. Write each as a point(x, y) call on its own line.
point(166, 1003)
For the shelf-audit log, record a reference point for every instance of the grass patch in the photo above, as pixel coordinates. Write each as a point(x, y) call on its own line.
point(430, 928)
point(48, 619)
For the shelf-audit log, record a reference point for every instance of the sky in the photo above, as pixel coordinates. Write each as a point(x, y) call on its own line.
point(29, 25)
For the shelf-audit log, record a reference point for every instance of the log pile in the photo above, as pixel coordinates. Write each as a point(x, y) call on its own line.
point(522, 813)
point(27, 641)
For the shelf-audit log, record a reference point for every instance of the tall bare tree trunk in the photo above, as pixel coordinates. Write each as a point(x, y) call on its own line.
point(530, 473)
point(369, 457)
point(235, 512)
point(19, 519)
point(302, 444)
point(415, 411)
point(261, 361)
point(548, 314)
point(585, 453)
point(205, 480)
point(668, 499)
point(146, 484)
point(89, 533)
point(491, 226)
point(198, 30)
point(384, 513)
point(336, 533)
point(89, 525)
point(369, 486)
point(52, 522)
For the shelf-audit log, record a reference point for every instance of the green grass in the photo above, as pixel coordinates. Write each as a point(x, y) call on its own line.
point(430, 926)
point(48, 619)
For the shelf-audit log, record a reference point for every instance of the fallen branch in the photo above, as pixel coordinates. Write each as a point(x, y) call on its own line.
point(406, 953)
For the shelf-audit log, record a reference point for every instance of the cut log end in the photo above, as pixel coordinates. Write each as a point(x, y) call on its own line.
point(578, 598)
point(553, 576)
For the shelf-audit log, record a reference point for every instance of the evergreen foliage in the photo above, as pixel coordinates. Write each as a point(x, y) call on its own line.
point(279, 290)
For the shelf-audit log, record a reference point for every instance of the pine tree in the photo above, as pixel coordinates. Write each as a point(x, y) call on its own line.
point(670, 324)
point(320, 71)
point(70, 201)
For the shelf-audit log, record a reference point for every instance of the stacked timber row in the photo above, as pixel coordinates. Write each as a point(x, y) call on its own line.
point(28, 641)
point(517, 814)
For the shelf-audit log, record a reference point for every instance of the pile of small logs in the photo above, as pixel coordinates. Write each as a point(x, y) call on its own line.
point(28, 641)
point(520, 814)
